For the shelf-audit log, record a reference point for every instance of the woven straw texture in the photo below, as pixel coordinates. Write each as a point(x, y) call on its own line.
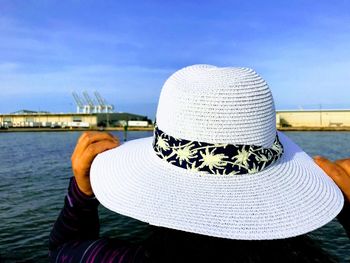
point(217, 105)
point(230, 105)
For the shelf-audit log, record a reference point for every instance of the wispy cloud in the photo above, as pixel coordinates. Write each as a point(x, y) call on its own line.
point(127, 50)
point(7, 67)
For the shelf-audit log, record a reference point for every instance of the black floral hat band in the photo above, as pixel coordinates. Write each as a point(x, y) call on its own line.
point(221, 159)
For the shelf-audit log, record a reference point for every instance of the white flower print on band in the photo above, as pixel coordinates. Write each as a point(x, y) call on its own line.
point(220, 158)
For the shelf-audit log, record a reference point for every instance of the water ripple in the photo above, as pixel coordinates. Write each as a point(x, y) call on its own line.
point(34, 174)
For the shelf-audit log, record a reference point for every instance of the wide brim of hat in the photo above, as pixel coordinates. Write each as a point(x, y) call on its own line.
point(290, 198)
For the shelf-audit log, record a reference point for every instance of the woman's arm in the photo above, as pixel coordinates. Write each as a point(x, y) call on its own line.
point(75, 234)
point(74, 237)
point(78, 219)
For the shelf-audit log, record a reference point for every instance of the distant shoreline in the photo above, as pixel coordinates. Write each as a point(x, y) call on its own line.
point(313, 128)
point(75, 129)
point(151, 129)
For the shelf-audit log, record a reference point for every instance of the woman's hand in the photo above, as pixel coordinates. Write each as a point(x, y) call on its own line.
point(339, 171)
point(89, 145)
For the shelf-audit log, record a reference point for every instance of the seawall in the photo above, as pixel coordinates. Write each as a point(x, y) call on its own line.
point(75, 129)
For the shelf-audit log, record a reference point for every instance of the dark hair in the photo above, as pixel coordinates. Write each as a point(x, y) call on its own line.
point(168, 245)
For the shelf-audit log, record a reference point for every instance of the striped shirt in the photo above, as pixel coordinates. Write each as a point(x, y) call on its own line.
point(75, 234)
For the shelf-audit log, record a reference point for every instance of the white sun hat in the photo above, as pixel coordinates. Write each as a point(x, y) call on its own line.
point(216, 164)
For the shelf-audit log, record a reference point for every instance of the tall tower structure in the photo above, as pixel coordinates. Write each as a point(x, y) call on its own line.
point(88, 105)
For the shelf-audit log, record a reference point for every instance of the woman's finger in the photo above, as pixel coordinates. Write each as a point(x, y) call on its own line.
point(337, 173)
point(345, 164)
point(89, 138)
point(81, 164)
point(329, 167)
point(96, 148)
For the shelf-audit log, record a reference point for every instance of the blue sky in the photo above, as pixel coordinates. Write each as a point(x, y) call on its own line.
point(127, 49)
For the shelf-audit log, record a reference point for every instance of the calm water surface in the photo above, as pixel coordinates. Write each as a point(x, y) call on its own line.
point(34, 174)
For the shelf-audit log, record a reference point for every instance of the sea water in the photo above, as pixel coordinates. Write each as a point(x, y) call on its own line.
point(34, 174)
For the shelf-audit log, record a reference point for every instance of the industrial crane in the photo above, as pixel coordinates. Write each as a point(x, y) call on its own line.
point(88, 105)
point(80, 106)
point(106, 108)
